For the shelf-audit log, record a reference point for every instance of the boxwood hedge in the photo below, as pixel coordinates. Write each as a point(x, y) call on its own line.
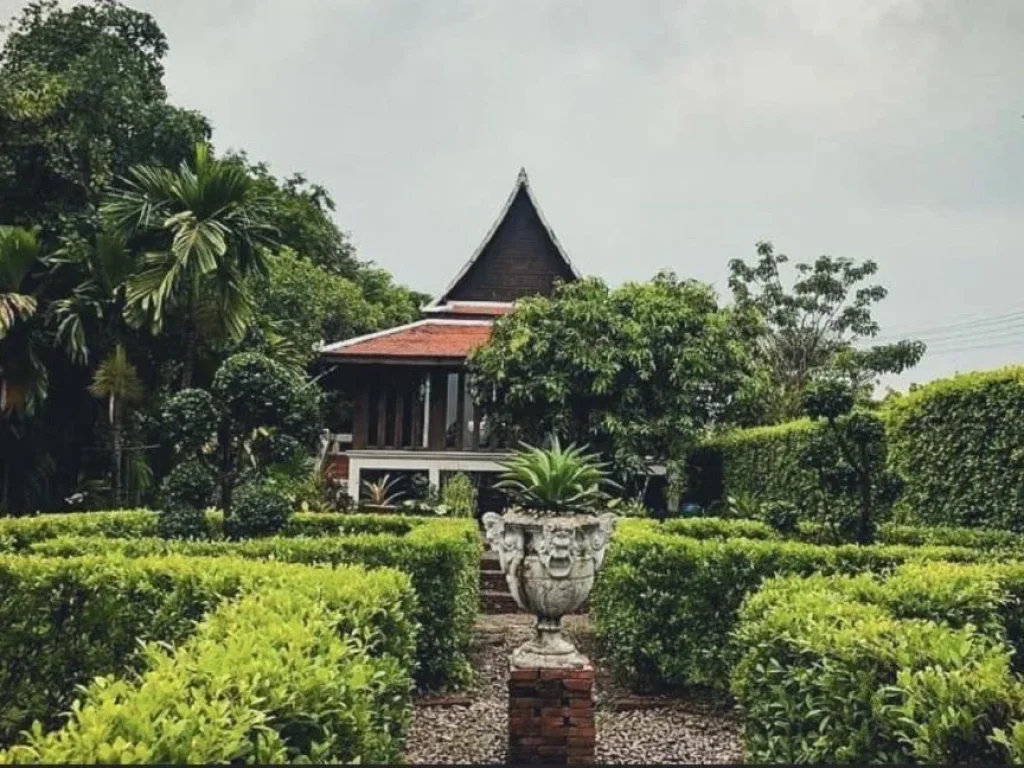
point(665, 605)
point(913, 668)
point(442, 557)
point(67, 620)
point(959, 444)
point(16, 533)
point(305, 664)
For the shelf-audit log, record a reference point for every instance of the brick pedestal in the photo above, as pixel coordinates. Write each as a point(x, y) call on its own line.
point(551, 716)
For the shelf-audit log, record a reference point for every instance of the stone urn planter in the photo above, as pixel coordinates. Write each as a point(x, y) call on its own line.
point(550, 562)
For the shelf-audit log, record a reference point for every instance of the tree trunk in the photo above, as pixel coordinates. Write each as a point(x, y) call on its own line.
point(189, 358)
point(118, 441)
point(191, 342)
point(865, 526)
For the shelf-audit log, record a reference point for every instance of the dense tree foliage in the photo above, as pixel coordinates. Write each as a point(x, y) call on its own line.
point(637, 373)
point(816, 326)
point(134, 260)
point(256, 414)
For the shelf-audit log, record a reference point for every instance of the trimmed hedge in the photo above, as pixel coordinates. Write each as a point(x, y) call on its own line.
point(665, 606)
point(17, 533)
point(959, 443)
point(990, 541)
point(718, 528)
point(68, 620)
point(761, 461)
point(911, 669)
point(442, 557)
point(307, 665)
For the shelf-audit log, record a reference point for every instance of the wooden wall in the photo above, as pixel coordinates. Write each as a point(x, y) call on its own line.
point(520, 260)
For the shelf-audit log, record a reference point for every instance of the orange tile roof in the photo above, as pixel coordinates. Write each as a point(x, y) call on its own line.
point(453, 339)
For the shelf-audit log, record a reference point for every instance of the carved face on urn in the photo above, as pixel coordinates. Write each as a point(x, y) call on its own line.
point(555, 547)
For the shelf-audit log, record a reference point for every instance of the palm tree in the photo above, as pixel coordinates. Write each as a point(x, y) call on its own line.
point(204, 230)
point(117, 380)
point(92, 311)
point(22, 376)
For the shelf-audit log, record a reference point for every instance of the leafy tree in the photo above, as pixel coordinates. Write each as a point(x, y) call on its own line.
point(208, 228)
point(81, 100)
point(117, 380)
point(256, 414)
point(815, 326)
point(850, 457)
point(638, 373)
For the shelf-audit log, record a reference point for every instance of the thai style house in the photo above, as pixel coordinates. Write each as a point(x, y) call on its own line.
point(412, 409)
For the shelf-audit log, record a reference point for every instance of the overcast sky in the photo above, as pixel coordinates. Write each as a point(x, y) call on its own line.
point(656, 134)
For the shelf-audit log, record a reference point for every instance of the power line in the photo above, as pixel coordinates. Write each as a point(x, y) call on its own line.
point(939, 331)
point(973, 347)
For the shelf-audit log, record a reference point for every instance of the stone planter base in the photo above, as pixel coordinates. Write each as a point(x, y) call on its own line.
point(551, 715)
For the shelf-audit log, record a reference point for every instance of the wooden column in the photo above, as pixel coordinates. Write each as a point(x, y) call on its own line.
point(382, 417)
point(438, 401)
point(460, 411)
point(416, 427)
point(399, 416)
point(361, 418)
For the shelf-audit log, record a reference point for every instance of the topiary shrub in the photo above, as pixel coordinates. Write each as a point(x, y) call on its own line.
point(187, 490)
point(191, 483)
point(959, 445)
point(259, 509)
point(182, 522)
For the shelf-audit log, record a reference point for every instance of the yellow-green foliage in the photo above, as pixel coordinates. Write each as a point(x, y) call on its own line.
point(912, 668)
point(18, 532)
point(442, 557)
point(665, 605)
point(959, 444)
point(296, 668)
point(66, 621)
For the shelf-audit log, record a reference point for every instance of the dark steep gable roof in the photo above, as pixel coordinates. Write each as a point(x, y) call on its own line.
point(520, 256)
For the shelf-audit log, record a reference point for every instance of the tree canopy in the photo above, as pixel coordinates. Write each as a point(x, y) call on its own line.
point(817, 326)
point(128, 244)
point(637, 373)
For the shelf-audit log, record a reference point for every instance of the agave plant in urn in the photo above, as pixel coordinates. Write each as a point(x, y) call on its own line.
point(551, 541)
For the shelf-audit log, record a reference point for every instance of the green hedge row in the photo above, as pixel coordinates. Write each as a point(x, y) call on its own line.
point(442, 557)
point(65, 621)
point(991, 541)
point(915, 668)
point(665, 605)
point(16, 533)
point(762, 461)
point(959, 443)
point(306, 664)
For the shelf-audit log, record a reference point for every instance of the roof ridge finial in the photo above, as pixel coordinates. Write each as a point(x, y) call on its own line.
point(522, 174)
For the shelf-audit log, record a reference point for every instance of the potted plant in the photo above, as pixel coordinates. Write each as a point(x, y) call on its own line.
point(551, 542)
point(380, 496)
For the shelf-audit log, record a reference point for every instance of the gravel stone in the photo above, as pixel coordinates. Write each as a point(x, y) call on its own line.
point(630, 728)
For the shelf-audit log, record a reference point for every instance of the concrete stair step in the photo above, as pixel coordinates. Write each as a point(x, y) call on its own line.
point(493, 581)
point(493, 601)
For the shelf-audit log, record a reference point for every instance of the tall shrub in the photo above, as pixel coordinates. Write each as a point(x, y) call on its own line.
point(959, 444)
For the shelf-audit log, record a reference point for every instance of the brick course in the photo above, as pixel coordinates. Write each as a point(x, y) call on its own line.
point(551, 716)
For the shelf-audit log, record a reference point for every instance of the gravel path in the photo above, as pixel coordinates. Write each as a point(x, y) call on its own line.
point(470, 727)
